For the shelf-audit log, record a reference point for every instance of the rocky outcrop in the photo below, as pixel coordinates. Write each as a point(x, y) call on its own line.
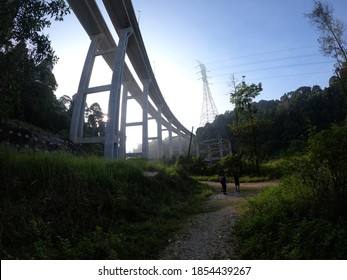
point(24, 137)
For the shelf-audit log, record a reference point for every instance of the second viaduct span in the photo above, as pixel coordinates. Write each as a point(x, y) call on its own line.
point(130, 43)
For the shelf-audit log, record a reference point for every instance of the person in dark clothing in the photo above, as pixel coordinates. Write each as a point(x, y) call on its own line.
point(223, 181)
point(237, 182)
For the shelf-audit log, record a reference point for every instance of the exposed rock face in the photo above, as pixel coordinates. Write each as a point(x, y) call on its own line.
point(25, 138)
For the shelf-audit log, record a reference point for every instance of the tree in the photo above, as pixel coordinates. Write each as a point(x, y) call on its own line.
point(67, 101)
point(242, 97)
point(25, 20)
point(331, 40)
point(236, 127)
point(27, 83)
point(95, 122)
point(16, 73)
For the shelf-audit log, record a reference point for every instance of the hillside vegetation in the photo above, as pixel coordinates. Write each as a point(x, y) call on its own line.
point(58, 206)
point(306, 217)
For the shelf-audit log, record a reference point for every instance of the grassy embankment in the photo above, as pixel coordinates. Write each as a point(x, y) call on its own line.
point(58, 206)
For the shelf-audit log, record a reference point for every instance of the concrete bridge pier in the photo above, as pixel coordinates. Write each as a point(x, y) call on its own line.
point(112, 125)
point(179, 143)
point(122, 138)
point(171, 151)
point(160, 132)
point(145, 148)
point(76, 130)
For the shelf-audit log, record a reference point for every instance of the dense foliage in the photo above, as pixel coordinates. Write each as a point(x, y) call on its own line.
point(283, 125)
point(306, 217)
point(27, 84)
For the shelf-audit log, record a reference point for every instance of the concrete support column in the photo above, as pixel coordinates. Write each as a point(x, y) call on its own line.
point(179, 143)
point(122, 145)
point(112, 125)
point(170, 138)
point(159, 132)
point(197, 149)
point(77, 120)
point(145, 149)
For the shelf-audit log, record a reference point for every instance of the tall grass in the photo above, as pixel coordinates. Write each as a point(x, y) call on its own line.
point(58, 206)
point(282, 224)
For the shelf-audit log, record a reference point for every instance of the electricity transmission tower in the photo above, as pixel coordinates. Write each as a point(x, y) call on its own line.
point(212, 149)
point(209, 109)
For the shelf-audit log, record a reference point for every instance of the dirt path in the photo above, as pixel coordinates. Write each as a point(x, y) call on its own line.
point(209, 235)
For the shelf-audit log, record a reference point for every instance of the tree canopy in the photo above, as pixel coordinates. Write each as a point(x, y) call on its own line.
point(25, 20)
point(27, 83)
point(332, 31)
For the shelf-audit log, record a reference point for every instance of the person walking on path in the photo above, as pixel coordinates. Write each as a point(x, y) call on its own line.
point(223, 181)
point(237, 182)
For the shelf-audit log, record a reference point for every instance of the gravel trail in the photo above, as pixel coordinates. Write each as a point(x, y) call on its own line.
point(209, 235)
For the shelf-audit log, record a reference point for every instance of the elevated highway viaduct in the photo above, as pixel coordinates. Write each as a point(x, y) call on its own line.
point(123, 85)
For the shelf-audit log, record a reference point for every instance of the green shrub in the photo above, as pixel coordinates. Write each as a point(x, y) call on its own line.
point(306, 217)
point(272, 169)
point(279, 224)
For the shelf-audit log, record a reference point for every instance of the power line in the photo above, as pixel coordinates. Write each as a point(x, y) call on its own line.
point(192, 71)
point(261, 53)
point(283, 76)
point(275, 67)
point(292, 75)
point(266, 61)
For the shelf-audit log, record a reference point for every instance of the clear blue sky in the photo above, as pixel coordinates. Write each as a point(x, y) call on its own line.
point(267, 41)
